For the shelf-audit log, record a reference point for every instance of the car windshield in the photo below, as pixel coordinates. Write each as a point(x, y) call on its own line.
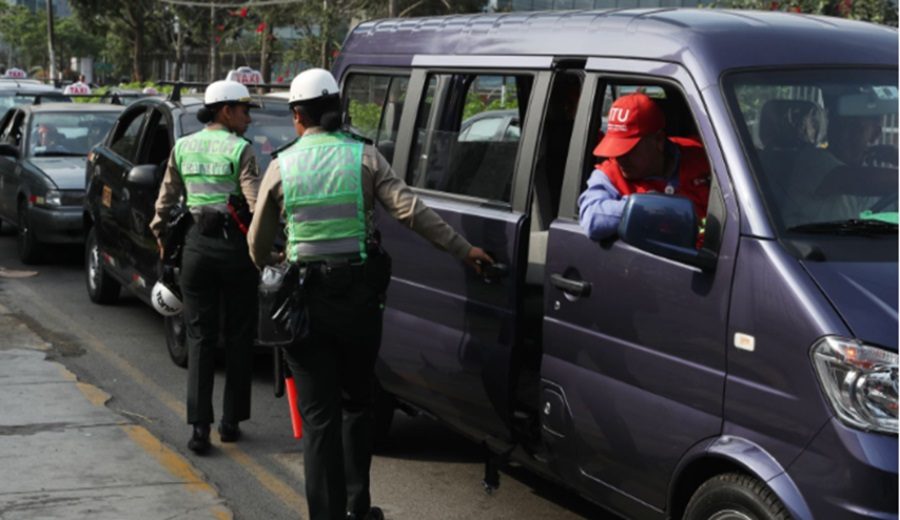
point(270, 129)
point(823, 146)
point(10, 99)
point(68, 133)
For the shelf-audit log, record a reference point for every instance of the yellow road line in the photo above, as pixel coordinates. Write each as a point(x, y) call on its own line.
point(291, 499)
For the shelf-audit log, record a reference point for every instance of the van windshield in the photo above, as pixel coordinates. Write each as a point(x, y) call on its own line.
point(823, 146)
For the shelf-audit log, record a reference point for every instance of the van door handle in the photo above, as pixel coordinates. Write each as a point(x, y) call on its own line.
point(494, 272)
point(573, 287)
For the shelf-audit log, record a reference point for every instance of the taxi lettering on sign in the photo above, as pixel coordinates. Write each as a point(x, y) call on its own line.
point(77, 88)
point(15, 73)
point(245, 75)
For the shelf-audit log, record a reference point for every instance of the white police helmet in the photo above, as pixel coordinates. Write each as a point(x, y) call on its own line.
point(164, 300)
point(226, 91)
point(312, 84)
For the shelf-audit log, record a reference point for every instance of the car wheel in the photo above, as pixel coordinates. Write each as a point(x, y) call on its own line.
point(101, 287)
point(176, 340)
point(30, 250)
point(735, 496)
point(385, 406)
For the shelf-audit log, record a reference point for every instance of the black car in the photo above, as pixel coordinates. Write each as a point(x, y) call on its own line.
point(42, 157)
point(124, 173)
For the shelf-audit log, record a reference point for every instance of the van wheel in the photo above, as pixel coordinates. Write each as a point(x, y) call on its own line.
point(176, 340)
point(101, 287)
point(30, 250)
point(385, 406)
point(735, 496)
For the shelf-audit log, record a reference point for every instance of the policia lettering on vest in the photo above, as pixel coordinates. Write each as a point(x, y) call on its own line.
point(206, 169)
point(325, 186)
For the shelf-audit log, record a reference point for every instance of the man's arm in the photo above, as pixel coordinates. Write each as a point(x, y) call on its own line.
point(600, 207)
point(169, 192)
point(265, 225)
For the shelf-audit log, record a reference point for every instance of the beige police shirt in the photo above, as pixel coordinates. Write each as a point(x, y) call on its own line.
point(379, 182)
point(172, 188)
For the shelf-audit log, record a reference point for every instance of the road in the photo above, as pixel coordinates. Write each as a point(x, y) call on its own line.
point(425, 471)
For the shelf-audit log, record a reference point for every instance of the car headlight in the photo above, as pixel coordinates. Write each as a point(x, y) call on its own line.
point(860, 382)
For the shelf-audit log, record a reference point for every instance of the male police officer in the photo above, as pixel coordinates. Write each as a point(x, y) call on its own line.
point(326, 185)
point(208, 167)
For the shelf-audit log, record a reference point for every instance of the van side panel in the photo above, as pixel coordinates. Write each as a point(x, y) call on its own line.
point(772, 393)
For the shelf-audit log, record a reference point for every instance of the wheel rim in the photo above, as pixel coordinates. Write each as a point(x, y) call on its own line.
point(93, 265)
point(730, 514)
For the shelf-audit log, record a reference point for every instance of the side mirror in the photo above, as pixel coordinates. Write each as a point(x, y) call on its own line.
point(142, 176)
point(8, 150)
point(664, 225)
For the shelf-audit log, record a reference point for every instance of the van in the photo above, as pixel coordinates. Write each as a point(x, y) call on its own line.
point(754, 377)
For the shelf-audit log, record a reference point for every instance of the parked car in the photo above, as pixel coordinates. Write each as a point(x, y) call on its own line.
point(124, 173)
point(11, 96)
point(755, 377)
point(42, 156)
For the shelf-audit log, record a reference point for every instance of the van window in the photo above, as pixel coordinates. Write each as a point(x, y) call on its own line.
point(823, 146)
point(467, 134)
point(373, 104)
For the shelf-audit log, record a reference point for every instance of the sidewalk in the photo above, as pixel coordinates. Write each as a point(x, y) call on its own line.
point(65, 455)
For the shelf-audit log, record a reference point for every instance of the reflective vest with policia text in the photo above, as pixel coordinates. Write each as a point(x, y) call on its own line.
point(324, 210)
point(210, 166)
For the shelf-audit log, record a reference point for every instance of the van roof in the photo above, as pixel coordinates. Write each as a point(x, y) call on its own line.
point(711, 39)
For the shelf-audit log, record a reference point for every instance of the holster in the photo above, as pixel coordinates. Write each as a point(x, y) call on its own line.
point(283, 315)
point(210, 222)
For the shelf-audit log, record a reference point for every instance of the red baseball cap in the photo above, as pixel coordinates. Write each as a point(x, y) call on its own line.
point(630, 118)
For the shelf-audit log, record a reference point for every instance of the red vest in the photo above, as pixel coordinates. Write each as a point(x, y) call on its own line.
point(693, 176)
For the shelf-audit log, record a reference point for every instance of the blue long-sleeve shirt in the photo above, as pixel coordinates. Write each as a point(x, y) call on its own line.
point(600, 207)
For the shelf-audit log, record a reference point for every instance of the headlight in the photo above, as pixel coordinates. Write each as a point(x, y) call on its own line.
point(52, 198)
point(860, 382)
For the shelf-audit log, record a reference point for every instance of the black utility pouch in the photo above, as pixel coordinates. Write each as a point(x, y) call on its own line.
point(378, 270)
point(283, 315)
point(210, 222)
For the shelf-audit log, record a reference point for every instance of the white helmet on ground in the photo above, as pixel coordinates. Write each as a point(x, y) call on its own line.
point(164, 300)
point(226, 91)
point(312, 84)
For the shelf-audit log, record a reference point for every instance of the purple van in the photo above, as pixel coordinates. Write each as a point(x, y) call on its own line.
point(752, 377)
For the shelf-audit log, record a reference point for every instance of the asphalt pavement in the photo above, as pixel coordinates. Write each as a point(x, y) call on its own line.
point(124, 405)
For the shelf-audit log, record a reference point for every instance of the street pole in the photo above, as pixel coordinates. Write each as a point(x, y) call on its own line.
point(212, 43)
point(50, 40)
point(392, 8)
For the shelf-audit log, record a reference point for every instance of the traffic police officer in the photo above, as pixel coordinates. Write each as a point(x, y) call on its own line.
point(207, 168)
point(325, 184)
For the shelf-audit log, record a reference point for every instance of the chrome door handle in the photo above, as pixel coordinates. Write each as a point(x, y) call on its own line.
point(573, 287)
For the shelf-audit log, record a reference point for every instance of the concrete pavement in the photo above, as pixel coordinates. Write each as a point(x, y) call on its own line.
point(65, 455)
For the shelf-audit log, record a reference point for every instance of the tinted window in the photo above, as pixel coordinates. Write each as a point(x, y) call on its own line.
point(68, 133)
point(373, 107)
point(467, 136)
point(125, 141)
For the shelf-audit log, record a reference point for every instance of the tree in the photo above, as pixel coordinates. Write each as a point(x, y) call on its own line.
point(127, 20)
point(26, 34)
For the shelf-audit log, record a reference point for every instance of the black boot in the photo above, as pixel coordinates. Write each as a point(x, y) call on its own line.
point(229, 432)
point(374, 513)
point(199, 442)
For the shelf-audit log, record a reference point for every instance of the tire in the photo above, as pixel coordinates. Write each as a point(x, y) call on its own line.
point(176, 340)
point(101, 287)
point(735, 496)
point(30, 250)
point(385, 407)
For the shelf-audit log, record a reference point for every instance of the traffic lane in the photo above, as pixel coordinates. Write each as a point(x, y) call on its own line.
point(425, 471)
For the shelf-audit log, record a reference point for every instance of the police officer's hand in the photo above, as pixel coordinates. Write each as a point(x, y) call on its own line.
point(477, 258)
point(162, 250)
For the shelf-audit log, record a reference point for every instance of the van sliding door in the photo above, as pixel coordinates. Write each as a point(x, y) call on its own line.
point(449, 333)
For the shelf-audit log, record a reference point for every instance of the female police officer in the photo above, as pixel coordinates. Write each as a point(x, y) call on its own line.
point(325, 185)
point(208, 167)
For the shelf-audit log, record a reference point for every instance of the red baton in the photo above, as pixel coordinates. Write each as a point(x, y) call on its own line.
point(296, 421)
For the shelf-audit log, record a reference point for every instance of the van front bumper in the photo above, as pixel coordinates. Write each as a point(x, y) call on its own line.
point(63, 225)
point(846, 473)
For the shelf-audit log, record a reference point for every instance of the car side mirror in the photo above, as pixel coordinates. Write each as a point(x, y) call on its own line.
point(8, 150)
point(142, 176)
point(664, 225)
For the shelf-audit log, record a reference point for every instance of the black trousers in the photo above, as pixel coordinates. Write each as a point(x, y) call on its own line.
point(334, 373)
point(217, 275)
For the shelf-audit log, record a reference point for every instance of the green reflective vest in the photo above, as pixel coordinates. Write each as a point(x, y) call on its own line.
point(210, 166)
point(324, 210)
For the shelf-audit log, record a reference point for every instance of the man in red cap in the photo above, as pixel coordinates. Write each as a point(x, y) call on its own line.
point(640, 159)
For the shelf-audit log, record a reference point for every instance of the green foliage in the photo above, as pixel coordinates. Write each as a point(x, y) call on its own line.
point(476, 105)
point(876, 11)
point(26, 33)
point(365, 117)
